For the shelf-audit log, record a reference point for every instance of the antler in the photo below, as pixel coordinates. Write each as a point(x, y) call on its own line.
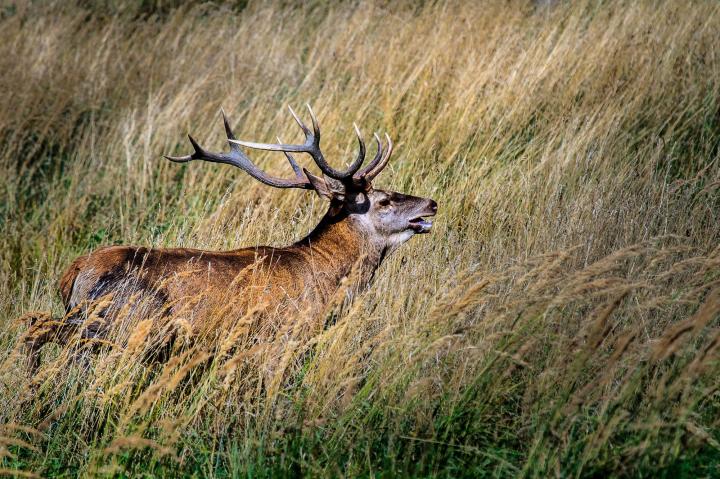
point(378, 163)
point(237, 158)
point(312, 147)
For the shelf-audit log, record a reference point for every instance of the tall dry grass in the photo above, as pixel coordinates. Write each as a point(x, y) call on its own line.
point(562, 318)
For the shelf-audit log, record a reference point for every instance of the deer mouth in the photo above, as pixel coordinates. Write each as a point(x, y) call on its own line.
point(420, 225)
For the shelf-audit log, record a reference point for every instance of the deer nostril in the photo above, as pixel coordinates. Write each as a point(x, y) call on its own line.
point(433, 205)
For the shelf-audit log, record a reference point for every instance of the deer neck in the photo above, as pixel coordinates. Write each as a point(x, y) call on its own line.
point(339, 247)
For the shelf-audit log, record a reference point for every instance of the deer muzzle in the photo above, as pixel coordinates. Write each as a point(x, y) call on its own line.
point(420, 224)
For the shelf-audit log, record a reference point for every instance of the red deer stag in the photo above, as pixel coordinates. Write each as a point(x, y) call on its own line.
point(362, 225)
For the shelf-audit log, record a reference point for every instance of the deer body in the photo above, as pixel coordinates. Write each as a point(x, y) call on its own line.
point(361, 226)
point(306, 273)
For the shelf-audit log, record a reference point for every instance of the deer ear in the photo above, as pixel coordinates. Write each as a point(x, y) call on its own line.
point(336, 187)
point(320, 185)
point(363, 184)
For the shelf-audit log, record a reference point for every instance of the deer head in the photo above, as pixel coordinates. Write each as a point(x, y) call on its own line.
point(386, 218)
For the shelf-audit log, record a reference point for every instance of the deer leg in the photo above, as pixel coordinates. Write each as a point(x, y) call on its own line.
point(45, 329)
point(31, 340)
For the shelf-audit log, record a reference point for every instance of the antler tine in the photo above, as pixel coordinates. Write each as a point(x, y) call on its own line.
point(196, 155)
point(374, 167)
point(385, 159)
point(237, 158)
point(228, 130)
point(373, 170)
point(296, 168)
point(299, 121)
point(361, 148)
point(315, 124)
point(311, 147)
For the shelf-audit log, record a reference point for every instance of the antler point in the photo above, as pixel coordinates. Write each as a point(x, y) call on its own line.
point(177, 159)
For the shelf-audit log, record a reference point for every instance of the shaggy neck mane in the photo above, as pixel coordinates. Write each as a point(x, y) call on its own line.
point(339, 247)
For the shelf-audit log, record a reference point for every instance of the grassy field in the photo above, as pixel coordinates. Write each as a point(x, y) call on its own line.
point(562, 319)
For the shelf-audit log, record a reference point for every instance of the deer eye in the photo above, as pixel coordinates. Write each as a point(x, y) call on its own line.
point(384, 202)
